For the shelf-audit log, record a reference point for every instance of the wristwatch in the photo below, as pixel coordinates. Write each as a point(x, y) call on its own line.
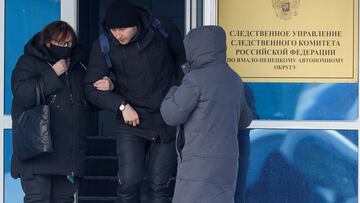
point(122, 106)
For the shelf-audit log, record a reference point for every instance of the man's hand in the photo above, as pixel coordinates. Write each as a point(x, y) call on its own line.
point(104, 84)
point(130, 116)
point(60, 67)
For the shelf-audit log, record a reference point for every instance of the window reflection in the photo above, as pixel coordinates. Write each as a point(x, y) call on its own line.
point(306, 101)
point(300, 166)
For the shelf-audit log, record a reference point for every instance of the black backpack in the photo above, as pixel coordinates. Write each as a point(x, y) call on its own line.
point(104, 41)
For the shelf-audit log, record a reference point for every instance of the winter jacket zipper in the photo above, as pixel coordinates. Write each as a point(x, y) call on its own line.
point(180, 140)
point(69, 88)
point(71, 176)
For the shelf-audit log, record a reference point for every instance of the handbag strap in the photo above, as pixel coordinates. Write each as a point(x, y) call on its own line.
point(39, 92)
point(37, 89)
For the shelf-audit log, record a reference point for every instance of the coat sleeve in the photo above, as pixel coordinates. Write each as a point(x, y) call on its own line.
point(250, 100)
point(180, 102)
point(24, 78)
point(96, 70)
point(246, 115)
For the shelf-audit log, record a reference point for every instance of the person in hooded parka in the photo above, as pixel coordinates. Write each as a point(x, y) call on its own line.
point(210, 107)
point(53, 59)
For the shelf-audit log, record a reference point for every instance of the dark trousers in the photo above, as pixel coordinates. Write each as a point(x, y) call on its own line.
point(244, 153)
point(161, 168)
point(48, 189)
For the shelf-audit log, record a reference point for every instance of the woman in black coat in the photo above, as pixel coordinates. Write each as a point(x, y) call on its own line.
point(53, 59)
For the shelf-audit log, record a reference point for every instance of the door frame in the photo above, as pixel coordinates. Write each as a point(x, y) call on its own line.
point(4, 120)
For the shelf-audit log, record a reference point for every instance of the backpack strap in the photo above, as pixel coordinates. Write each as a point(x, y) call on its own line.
point(105, 49)
point(156, 24)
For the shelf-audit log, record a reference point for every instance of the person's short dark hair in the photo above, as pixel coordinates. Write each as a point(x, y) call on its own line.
point(57, 30)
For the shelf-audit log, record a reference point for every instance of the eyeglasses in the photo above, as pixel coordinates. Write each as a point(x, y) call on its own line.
point(62, 43)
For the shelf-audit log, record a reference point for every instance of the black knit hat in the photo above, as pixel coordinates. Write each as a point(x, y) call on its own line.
point(120, 14)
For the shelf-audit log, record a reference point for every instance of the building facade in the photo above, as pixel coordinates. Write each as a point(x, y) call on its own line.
point(304, 147)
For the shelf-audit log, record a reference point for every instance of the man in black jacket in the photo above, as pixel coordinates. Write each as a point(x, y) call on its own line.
point(145, 62)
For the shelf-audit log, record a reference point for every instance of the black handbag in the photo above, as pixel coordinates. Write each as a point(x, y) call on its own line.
point(31, 129)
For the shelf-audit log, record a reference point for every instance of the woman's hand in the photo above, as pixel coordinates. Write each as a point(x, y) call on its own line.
point(104, 84)
point(60, 67)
